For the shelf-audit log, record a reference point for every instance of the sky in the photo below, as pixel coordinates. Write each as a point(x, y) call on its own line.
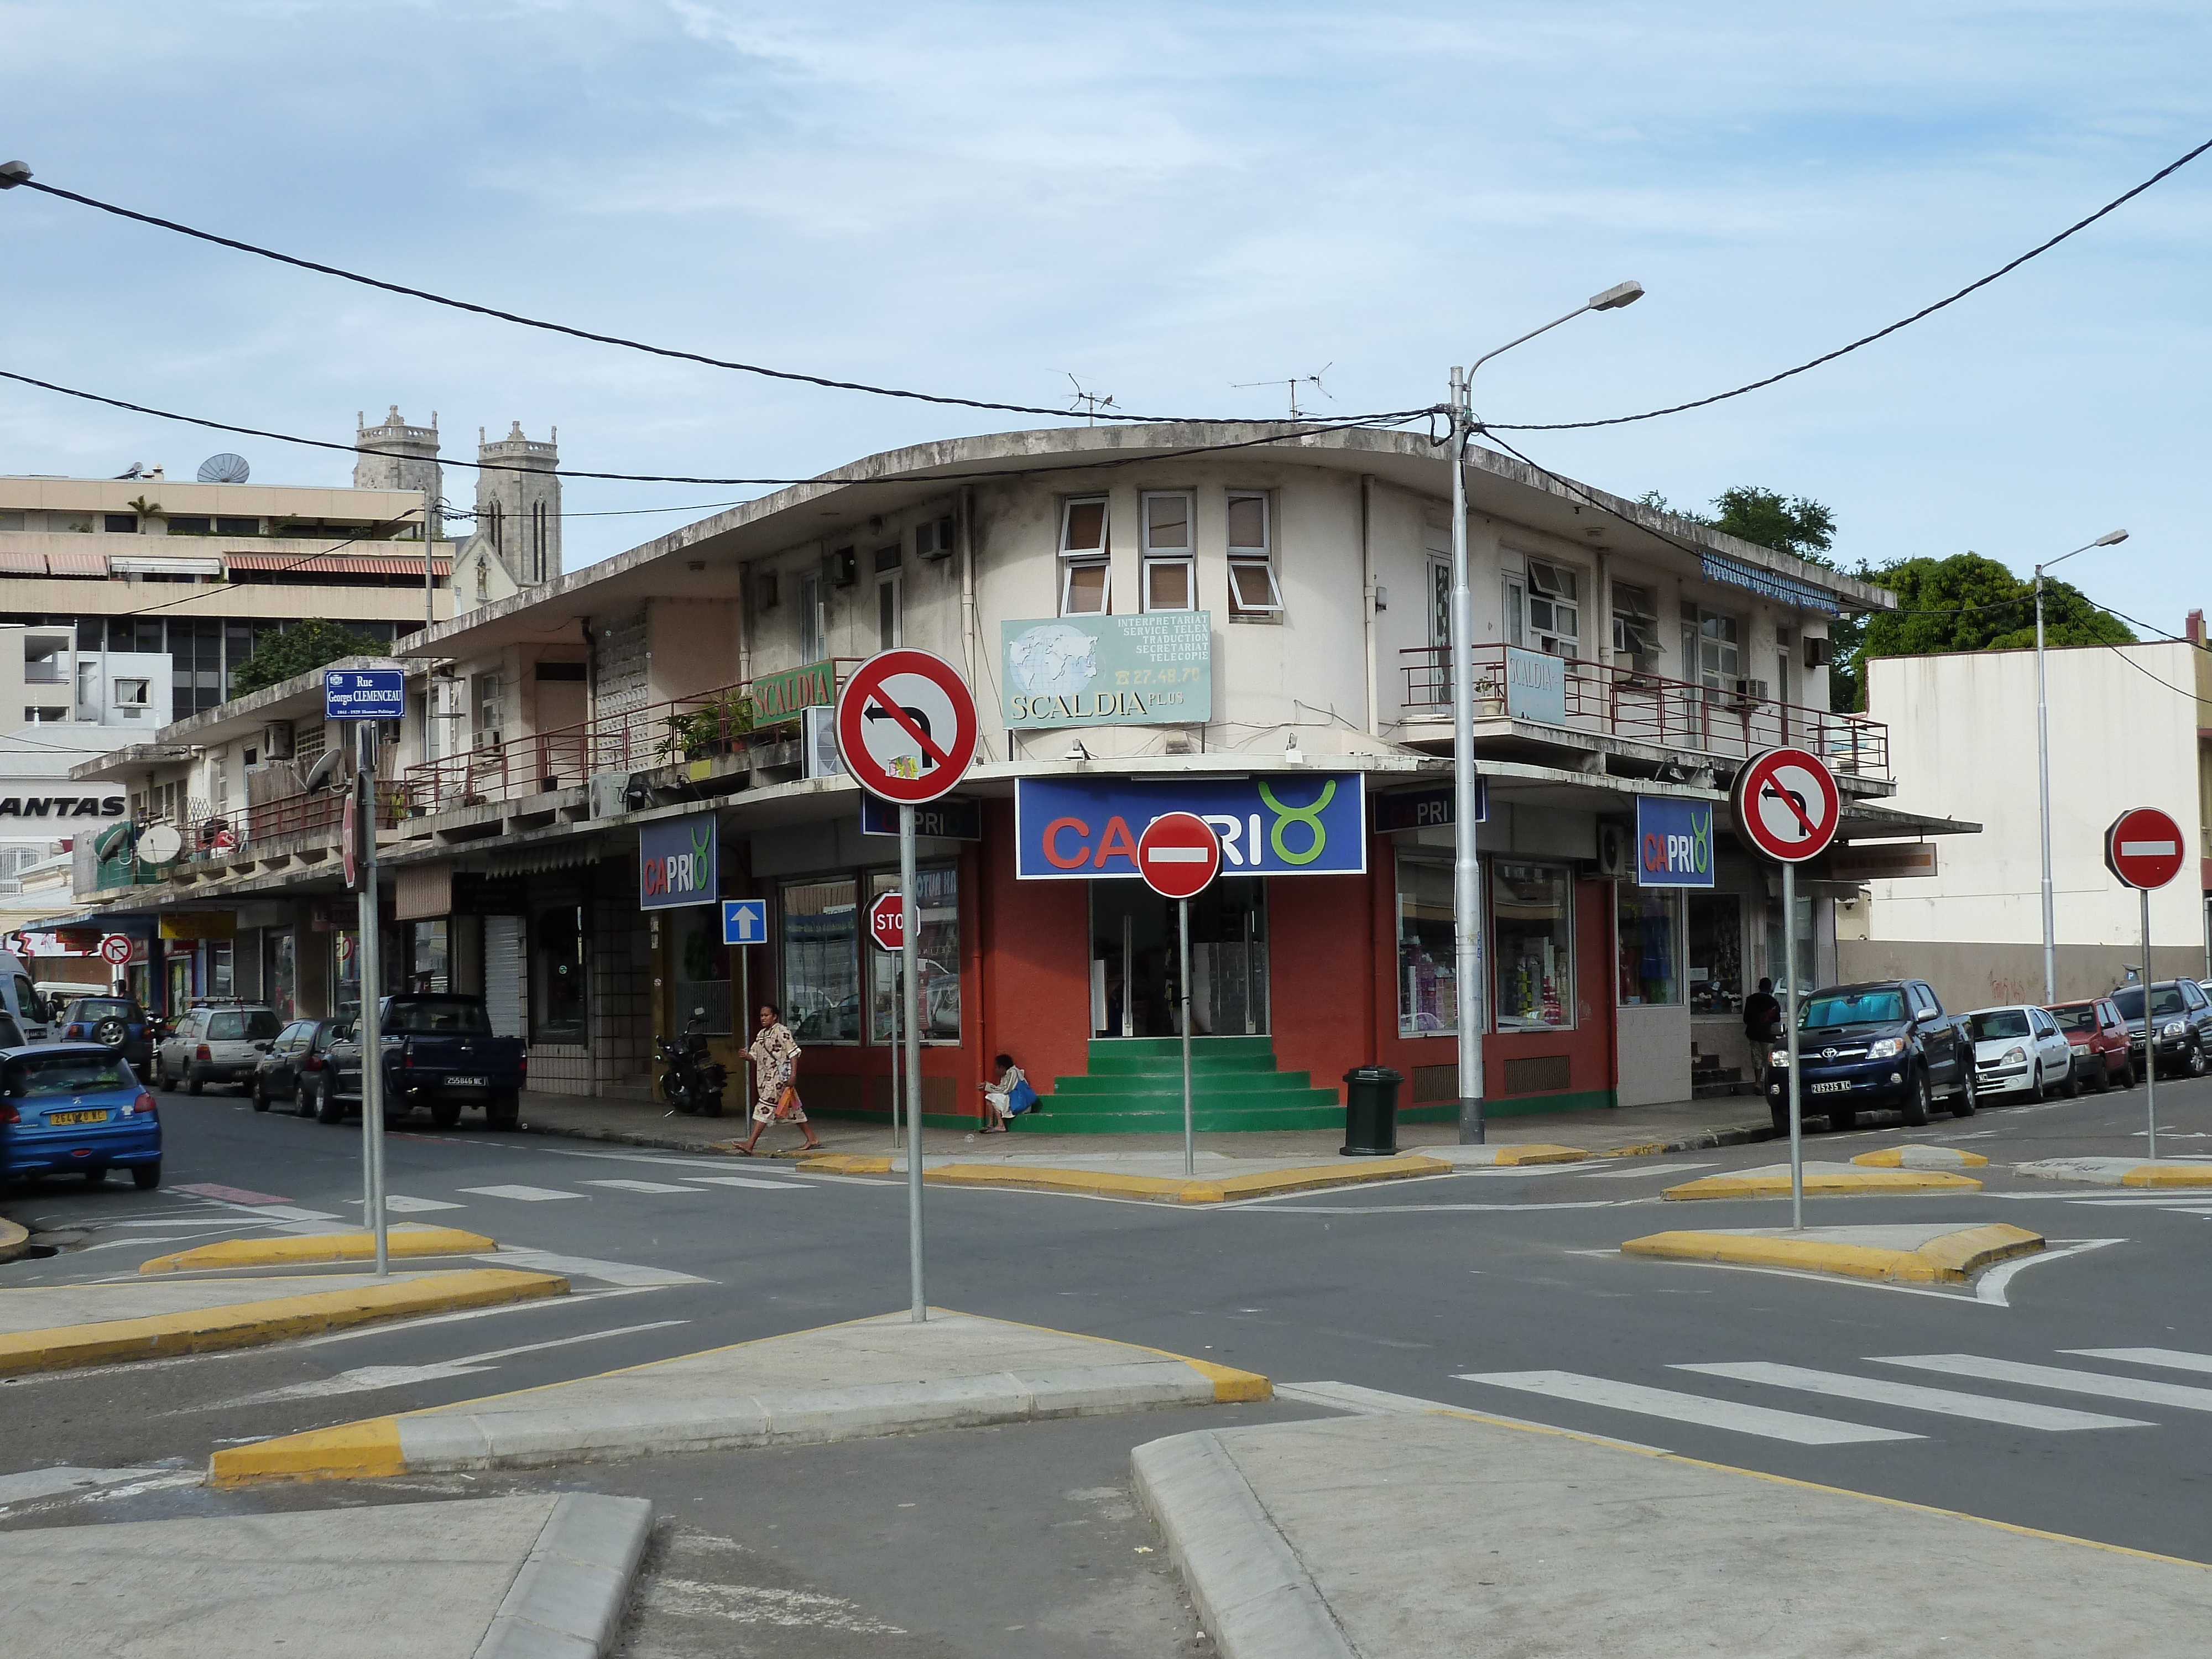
point(1166, 201)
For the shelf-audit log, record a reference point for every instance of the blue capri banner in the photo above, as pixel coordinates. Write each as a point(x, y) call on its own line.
point(1290, 824)
point(1673, 842)
point(676, 862)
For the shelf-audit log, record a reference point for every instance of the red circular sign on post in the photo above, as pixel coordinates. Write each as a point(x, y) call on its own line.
point(2144, 847)
point(906, 726)
point(887, 922)
point(116, 949)
point(1787, 805)
point(1178, 855)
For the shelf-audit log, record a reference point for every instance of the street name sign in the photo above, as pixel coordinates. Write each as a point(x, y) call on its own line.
point(1787, 805)
point(906, 726)
point(2144, 847)
point(364, 694)
point(1178, 855)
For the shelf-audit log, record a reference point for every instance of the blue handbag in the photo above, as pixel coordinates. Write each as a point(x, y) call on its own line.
point(1020, 1098)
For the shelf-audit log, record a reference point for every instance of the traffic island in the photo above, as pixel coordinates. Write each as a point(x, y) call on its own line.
point(1446, 1532)
point(871, 1377)
point(495, 1578)
point(14, 1239)
point(409, 1240)
point(2119, 1171)
point(1920, 1157)
point(1822, 1180)
point(1936, 1253)
point(1151, 1177)
point(1506, 1157)
point(60, 1328)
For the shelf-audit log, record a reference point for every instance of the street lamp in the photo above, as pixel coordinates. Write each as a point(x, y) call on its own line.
point(2110, 538)
point(1467, 870)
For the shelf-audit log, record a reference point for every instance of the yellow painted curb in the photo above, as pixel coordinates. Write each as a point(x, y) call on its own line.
point(249, 1324)
point(367, 1450)
point(848, 1163)
point(1231, 1386)
point(2153, 1175)
point(1640, 1149)
point(1893, 1157)
point(1828, 1182)
point(14, 1240)
point(1949, 1260)
point(1538, 1153)
point(1175, 1189)
point(290, 1252)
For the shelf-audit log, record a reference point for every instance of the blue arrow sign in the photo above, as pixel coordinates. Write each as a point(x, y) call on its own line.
point(745, 922)
point(365, 694)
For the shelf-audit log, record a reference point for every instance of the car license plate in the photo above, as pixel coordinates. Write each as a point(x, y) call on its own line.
point(467, 1082)
point(1826, 1088)
point(76, 1117)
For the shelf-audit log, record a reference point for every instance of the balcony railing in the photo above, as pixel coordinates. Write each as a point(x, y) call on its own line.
point(720, 721)
point(1603, 699)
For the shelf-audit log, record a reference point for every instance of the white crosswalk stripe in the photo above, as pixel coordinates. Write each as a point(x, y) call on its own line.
point(2172, 1358)
point(1761, 1420)
point(521, 1195)
point(1913, 1396)
point(749, 1180)
point(2058, 1377)
point(642, 1186)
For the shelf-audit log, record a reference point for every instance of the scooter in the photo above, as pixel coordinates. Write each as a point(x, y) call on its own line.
point(693, 1082)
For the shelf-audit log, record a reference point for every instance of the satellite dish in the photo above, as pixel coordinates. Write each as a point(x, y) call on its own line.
point(160, 842)
point(109, 839)
point(225, 468)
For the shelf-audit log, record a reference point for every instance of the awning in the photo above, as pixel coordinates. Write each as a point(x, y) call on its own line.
point(22, 564)
point(133, 924)
point(346, 564)
point(76, 564)
point(133, 564)
point(1719, 567)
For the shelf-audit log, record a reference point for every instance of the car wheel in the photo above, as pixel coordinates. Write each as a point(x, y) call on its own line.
point(1917, 1101)
point(445, 1113)
point(302, 1102)
point(2127, 1073)
point(1781, 1122)
point(260, 1096)
point(2197, 1059)
point(1969, 1098)
point(147, 1176)
point(2035, 1090)
point(2103, 1073)
point(192, 1084)
point(1840, 1118)
point(94, 1177)
point(504, 1111)
point(2072, 1090)
point(327, 1109)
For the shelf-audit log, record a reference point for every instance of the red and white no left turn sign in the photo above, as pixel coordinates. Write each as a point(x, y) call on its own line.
point(1178, 855)
point(2144, 847)
point(116, 949)
point(906, 726)
point(1787, 806)
point(887, 922)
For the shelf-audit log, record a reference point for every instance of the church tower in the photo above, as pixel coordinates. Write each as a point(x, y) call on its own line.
point(398, 456)
point(519, 504)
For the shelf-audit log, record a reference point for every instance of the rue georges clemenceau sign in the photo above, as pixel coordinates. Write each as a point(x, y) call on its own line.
point(1156, 669)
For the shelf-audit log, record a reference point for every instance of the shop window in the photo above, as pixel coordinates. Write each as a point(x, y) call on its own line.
point(702, 970)
point(1532, 911)
point(222, 979)
point(1083, 577)
point(1636, 627)
point(1715, 953)
point(1252, 588)
point(558, 975)
point(821, 968)
point(1428, 986)
point(937, 904)
point(346, 976)
point(1170, 584)
point(280, 982)
point(1554, 612)
point(1648, 940)
point(430, 960)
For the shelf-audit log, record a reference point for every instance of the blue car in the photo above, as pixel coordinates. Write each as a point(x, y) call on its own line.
point(76, 1108)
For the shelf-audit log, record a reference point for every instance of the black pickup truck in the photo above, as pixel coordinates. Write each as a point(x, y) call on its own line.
point(439, 1053)
point(1887, 1043)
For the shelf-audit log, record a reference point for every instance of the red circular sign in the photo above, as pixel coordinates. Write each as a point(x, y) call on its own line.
point(2144, 847)
point(1787, 805)
point(116, 949)
point(1178, 855)
point(887, 922)
point(906, 726)
point(349, 836)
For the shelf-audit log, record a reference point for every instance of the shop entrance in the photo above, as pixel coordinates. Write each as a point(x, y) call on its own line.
point(1133, 960)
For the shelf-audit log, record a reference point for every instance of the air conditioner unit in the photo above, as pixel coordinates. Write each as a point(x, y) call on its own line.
point(818, 746)
point(933, 538)
point(1816, 651)
point(1751, 690)
point(277, 740)
point(1615, 850)
point(844, 567)
point(606, 794)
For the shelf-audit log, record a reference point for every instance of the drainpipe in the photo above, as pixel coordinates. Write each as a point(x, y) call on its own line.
point(1367, 597)
point(969, 643)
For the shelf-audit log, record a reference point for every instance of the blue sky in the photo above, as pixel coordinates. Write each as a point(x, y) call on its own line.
point(1165, 200)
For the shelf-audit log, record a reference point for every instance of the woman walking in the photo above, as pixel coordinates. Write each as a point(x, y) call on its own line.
point(775, 1054)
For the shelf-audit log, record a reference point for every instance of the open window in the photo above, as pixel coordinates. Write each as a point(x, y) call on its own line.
point(1170, 582)
point(1253, 591)
point(1554, 613)
point(1636, 627)
point(1084, 584)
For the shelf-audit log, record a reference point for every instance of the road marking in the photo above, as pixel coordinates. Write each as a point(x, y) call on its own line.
point(400, 1204)
point(367, 1378)
point(230, 1195)
point(640, 1187)
point(1913, 1396)
point(1378, 1402)
point(748, 1180)
point(585, 1267)
point(2058, 1376)
point(44, 1483)
point(2172, 1358)
point(522, 1194)
point(535, 1304)
point(1280, 1208)
point(1650, 1170)
point(1762, 1420)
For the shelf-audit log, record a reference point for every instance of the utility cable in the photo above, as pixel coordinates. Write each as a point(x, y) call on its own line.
point(1880, 333)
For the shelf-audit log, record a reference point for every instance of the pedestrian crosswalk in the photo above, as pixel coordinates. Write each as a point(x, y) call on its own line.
point(1973, 1402)
point(520, 1192)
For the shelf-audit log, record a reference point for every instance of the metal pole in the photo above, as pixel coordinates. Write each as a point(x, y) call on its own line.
point(898, 995)
point(1466, 866)
point(1789, 1033)
point(2043, 798)
point(429, 583)
point(910, 966)
point(1189, 1136)
point(371, 984)
point(2150, 1035)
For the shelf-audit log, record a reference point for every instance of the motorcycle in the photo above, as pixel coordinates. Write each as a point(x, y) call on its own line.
point(694, 1081)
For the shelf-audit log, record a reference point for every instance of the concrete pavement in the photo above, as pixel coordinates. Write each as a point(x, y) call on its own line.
point(406, 1240)
point(2120, 1171)
point(1153, 1176)
point(1825, 1180)
point(1911, 1253)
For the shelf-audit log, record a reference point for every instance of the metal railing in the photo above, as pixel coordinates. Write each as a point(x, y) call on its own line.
point(1610, 701)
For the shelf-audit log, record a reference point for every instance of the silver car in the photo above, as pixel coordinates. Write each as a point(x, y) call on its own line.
point(219, 1043)
point(2020, 1048)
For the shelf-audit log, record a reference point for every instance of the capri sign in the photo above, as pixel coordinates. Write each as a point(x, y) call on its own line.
point(1283, 824)
point(1673, 842)
point(675, 863)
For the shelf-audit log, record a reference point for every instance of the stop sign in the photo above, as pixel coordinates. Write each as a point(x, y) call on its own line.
point(2144, 847)
point(1178, 854)
point(887, 922)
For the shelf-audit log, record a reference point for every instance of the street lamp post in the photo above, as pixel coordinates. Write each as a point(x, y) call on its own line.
point(1467, 868)
point(2110, 538)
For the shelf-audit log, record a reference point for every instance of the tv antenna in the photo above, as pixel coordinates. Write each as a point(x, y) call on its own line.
point(1291, 384)
point(1089, 403)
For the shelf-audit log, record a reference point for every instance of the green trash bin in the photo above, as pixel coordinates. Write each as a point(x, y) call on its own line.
point(1370, 1112)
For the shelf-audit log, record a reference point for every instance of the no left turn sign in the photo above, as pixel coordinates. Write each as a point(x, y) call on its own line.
point(906, 726)
point(1787, 805)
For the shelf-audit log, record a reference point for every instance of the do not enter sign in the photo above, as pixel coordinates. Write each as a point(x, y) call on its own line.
point(1787, 804)
point(2144, 847)
point(887, 922)
point(1178, 855)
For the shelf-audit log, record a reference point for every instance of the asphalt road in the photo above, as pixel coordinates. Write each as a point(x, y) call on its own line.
point(1500, 1291)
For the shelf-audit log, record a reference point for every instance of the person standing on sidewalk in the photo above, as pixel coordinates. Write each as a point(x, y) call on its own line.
point(775, 1055)
point(1762, 1023)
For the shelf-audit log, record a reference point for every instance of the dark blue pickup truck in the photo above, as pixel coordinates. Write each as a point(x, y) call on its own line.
point(439, 1052)
point(1886, 1043)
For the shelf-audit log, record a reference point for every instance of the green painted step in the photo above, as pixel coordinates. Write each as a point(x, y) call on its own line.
point(1133, 1085)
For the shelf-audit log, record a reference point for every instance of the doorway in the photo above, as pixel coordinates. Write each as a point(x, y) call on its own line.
point(1133, 960)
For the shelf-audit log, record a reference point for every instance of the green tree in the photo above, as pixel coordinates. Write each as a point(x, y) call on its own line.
point(1968, 603)
point(298, 649)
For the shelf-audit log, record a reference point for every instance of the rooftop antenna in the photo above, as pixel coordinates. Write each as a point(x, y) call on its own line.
point(1089, 403)
point(1291, 384)
point(225, 468)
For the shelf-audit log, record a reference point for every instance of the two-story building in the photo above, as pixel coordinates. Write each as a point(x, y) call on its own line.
point(1152, 619)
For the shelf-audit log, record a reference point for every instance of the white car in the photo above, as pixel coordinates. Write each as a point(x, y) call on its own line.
point(218, 1043)
point(2020, 1049)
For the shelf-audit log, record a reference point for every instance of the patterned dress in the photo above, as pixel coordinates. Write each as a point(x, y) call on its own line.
point(773, 1053)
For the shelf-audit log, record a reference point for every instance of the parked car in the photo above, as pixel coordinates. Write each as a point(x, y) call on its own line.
point(440, 1052)
point(117, 1023)
point(2018, 1048)
point(2183, 1014)
point(1885, 1042)
point(301, 1049)
point(215, 1042)
point(2100, 1037)
point(21, 998)
point(76, 1108)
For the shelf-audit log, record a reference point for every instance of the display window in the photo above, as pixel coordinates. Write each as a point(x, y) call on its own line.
point(1714, 963)
point(1648, 946)
point(1532, 930)
point(937, 906)
point(821, 962)
point(1428, 983)
point(702, 970)
point(558, 944)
